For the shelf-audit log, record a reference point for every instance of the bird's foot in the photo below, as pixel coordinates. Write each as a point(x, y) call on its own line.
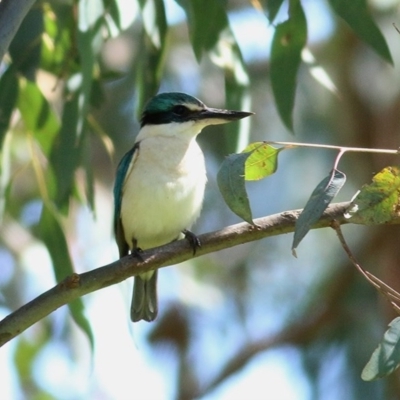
point(193, 240)
point(137, 253)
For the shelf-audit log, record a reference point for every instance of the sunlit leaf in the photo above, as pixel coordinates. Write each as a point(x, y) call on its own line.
point(262, 162)
point(154, 21)
point(8, 99)
point(319, 200)
point(57, 51)
point(379, 202)
point(123, 13)
point(355, 13)
point(227, 55)
point(386, 357)
point(289, 39)
point(231, 184)
point(38, 116)
point(52, 234)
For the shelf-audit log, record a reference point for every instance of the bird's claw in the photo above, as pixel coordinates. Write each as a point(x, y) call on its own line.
point(137, 253)
point(193, 240)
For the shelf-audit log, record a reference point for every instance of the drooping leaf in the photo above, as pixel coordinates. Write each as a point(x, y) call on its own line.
point(122, 12)
point(154, 21)
point(272, 7)
point(66, 152)
point(289, 39)
point(149, 69)
point(8, 99)
point(379, 202)
point(227, 55)
point(356, 14)
point(231, 183)
point(386, 357)
point(89, 44)
point(26, 44)
point(206, 19)
point(26, 352)
point(262, 162)
point(319, 200)
point(38, 116)
point(58, 53)
point(51, 232)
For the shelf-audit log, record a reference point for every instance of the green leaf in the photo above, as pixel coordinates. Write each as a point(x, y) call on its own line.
point(262, 162)
point(51, 233)
point(57, 51)
point(66, 151)
point(90, 40)
point(319, 200)
point(355, 13)
point(38, 116)
point(379, 202)
point(289, 39)
point(230, 179)
point(386, 357)
point(227, 55)
point(206, 19)
point(25, 48)
point(8, 99)
point(154, 21)
point(272, 7)
point(150, 66)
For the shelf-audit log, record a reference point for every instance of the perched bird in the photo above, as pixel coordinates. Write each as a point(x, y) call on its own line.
point(159, 186)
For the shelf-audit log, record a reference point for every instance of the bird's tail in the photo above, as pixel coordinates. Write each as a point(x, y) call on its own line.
point(144, 300)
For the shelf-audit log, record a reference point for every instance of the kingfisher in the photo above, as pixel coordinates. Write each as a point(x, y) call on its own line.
point(160, 182)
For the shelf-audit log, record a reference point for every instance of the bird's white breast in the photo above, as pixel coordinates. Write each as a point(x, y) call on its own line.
point(163, 191)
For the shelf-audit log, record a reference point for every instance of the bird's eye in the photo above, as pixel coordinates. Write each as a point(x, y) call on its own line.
point(180, 110)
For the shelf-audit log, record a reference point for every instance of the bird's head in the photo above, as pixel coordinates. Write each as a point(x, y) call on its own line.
point(174, 113)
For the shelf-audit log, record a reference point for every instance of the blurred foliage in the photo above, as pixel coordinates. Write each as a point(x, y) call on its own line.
point(78, 73)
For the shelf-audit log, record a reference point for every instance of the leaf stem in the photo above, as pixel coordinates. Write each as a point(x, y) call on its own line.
point(342, 149)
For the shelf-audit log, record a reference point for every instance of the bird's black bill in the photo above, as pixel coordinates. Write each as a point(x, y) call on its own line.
point(222, 115)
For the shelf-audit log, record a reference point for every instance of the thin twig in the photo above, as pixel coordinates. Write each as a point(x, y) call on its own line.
point(391, 295)
point(342, 149)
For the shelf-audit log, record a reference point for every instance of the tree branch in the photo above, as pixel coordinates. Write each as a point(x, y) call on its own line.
point(78, 285)
point(12, 13)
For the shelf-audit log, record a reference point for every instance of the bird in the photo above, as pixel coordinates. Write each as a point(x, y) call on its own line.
point(160, 182)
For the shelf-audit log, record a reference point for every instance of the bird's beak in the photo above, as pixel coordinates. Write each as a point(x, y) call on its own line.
point(215, 116)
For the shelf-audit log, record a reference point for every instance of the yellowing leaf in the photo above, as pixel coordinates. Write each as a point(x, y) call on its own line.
point(378, 202)
point(262, 162)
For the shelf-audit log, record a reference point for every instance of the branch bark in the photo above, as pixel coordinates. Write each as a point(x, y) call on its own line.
point(78, 285)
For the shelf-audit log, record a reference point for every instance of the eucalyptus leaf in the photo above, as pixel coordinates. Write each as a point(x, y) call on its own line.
point(8, 99)
point(231, 184)
point(386, 357)
point(262, 162)
point(355, 13)
point(52, 234)
point(379, 202)
point(319, 200)
point(289, 39)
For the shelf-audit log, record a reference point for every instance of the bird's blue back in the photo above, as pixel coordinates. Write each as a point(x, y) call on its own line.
point(122, 169)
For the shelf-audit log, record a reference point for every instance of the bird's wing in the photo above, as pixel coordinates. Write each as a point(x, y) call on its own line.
point(123, 171)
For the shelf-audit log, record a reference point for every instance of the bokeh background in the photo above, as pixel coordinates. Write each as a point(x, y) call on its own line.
point(248, 322)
